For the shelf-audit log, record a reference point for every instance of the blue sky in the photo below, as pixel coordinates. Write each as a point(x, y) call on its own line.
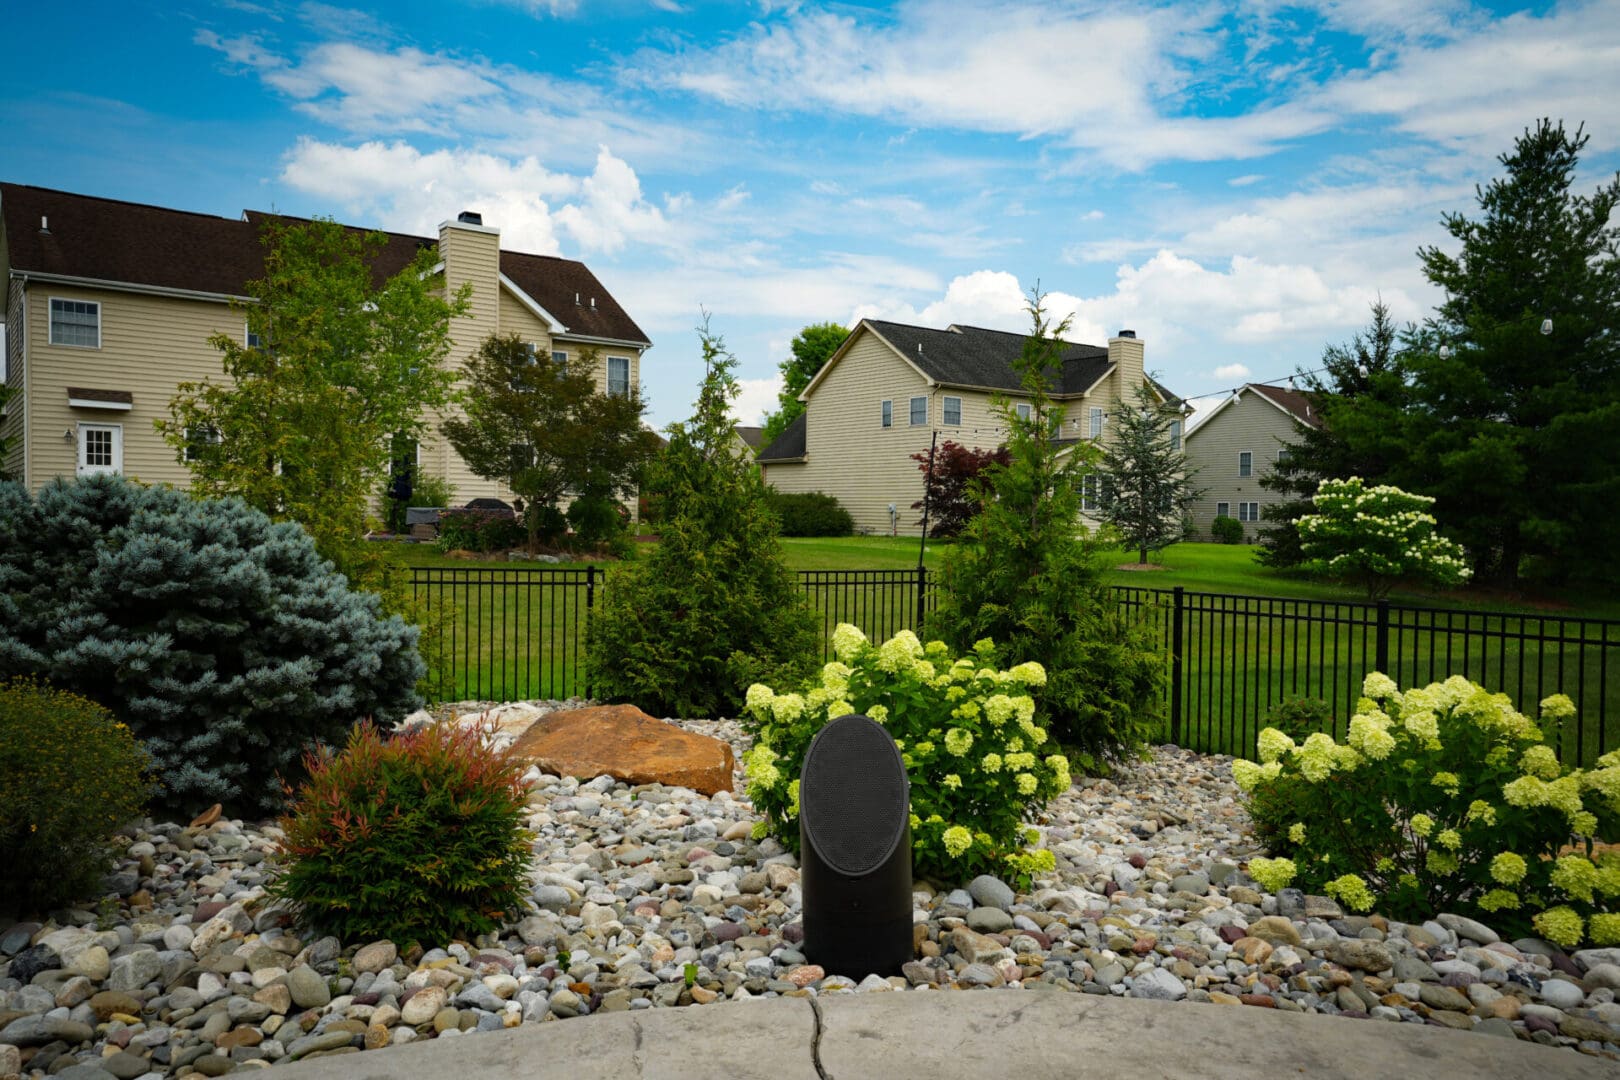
point(1236, 180)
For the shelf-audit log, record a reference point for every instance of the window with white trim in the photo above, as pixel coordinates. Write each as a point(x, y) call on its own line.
point(952, 413)
point(919, 411)
point(888, 414)
point(1248, 511)
point(519, 380)
point(1175, 434)
point(1023, 411)
point(200, 439)
point(1282, 456)
point(618, 375)
point(1223, 509)
point(1245, 463)
point(101, 449)
point(76, 323)
point(559, 360)
point(1088, 492)
point(1096, 422)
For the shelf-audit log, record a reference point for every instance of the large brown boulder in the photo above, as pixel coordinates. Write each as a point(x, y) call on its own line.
point(626, 743)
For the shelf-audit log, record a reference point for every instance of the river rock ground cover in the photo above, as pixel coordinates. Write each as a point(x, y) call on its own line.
point(185, 969)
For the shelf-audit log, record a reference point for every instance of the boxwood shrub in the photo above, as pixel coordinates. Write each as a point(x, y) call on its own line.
point(812, 513)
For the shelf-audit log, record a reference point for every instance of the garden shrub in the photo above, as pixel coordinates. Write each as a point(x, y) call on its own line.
point(596, 519)
point(72, 775)
point(221, 638)
point(1274, 807)
point(1025, 573)
point(466, 529)
point(416, 839)
point(714, 605)
point(1377, 535)
point(979, 763)
point(1446, 799)
point(811, 513)
point(1227, 530)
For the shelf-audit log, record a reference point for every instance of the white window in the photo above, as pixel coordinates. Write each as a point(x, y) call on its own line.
point(1096, 422)
point(1023, 411)
point(1223, 509)
point(919, 411)
point(1245, 463)
point(559, 360)
point(199, 439)
point(1175, 434)
point(1088, 492)
point(1282, 455)
point(76, 322)
point(888, 414)
point(519, 380)
point(1248, 511)
point(101, 449)
point(953, 411)
point(618, 372)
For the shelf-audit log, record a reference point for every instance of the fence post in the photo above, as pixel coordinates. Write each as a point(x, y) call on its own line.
point(922, 597)
point(1382, 658)
point(1175, 666)
point(590, 602)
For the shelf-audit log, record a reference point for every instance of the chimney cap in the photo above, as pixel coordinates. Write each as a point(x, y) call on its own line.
point(1127, 333)
point(470, 217)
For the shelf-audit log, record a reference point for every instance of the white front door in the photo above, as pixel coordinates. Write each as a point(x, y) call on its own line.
point(101, 449)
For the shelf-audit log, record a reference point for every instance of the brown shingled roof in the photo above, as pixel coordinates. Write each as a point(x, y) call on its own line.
point(1297, 404)
point(133, 243)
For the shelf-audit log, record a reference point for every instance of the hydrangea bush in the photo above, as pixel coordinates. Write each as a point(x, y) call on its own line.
point(1446, 798)
point(1376, 536)
point(980, 765)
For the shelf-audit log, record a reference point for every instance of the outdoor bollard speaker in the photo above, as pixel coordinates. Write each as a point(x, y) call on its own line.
point(855, 850)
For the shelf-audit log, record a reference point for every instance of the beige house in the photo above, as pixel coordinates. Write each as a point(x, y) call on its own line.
point(109, 306)
point(891, 387)
point(1237, 445)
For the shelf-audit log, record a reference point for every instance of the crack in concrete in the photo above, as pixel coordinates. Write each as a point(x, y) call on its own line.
point(635, 1053)
point(815, 1041)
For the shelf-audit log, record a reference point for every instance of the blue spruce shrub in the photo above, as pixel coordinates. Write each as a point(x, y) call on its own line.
point(220, 637)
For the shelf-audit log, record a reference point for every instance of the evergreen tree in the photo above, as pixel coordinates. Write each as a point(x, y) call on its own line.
point(1025, 574)
point(1361, 397)
point(546, 430)
point(1144, 488)
point(812, 348)
point(713, 607)
point(1517, 429)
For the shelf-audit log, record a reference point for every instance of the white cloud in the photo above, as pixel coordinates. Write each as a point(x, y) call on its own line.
point(1232, 371)
point(412, 191)
point(1246, 180)
point(756, 398)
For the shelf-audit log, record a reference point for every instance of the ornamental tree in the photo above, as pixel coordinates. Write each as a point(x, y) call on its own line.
point(952, 484)
point(1144, 488)
point(302, 424)
point(546, 431)
point(1377, 536)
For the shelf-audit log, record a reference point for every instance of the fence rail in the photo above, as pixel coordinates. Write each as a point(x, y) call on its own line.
point(509, 634)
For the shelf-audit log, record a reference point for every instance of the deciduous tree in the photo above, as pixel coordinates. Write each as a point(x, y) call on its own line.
point(952, 478)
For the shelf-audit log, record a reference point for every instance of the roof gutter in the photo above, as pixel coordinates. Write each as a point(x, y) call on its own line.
point(131, 287)
point(590, 340)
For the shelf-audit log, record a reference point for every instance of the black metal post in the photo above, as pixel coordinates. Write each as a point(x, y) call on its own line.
point(1382, 647)
point(1175, 665)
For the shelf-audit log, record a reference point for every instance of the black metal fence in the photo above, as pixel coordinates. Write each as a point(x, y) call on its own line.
point(511, 634)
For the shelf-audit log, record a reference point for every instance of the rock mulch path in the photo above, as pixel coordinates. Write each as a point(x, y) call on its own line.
point(194, 975)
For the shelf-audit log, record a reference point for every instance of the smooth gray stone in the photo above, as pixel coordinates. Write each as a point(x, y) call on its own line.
point(991, 892)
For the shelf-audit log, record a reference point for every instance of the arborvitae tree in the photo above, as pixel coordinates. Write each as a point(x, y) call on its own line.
point(811, 348)
point(547, 431)
point(1025, 574)
point(1362, 397)
point(714, 606)
point(1144, 488)
point(1517, 429)
point(952, 478)
point(220, 637)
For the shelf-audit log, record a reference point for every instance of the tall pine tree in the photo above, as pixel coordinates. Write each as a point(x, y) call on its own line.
point(1144, 488)
point(1517, 428)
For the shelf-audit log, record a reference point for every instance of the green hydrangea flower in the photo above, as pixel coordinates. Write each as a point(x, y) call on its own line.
point(1446, 782)
point(956, 840)
point(847, 641)
point(758, 697)
point(879, 713)
point(952, 781)
point(1352, 891)
point(1296, 832)
point(1422, 825)
point(990, 763)
point(1441, 862)
point(1273, 745)
point(1449, 839)
point(1029, 673)
point(1499, 900)
point(1559, 925)
point(1026, 783)
point(1557, 707)
point(1272, 874)
point(1379, 686)
point(1540, 761)
point(1576, 875)
point(1480, 810)
point(1508, 868)
point(1604, 929)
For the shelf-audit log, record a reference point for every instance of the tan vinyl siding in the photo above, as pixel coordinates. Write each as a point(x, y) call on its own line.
point(1250, 423)
point(13, 425)
point(517, 319)
point(149, 345)
point(470, 255)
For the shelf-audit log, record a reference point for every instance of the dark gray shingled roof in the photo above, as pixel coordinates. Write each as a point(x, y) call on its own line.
point(137, 244)
point(971, 356)
point(788, 446)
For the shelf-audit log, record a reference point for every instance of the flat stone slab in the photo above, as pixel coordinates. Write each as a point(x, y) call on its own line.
point(1027, 1034)
point(624, 742)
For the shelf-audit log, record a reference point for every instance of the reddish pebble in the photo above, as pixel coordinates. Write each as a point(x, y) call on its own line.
point(1138, 861)
point(1263, 1001)
point(1230, 934)
point(805, 975)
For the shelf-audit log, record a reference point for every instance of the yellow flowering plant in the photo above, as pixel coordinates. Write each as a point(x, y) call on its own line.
point(980, 761)
point(1444, 798)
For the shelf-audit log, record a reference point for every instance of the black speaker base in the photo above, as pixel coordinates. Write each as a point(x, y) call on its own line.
point(856, 950)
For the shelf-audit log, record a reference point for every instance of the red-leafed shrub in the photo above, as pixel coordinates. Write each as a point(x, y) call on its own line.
point(417, 838)
point(951, 504)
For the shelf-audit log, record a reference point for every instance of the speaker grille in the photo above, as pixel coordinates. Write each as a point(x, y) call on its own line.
point(853, 797)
